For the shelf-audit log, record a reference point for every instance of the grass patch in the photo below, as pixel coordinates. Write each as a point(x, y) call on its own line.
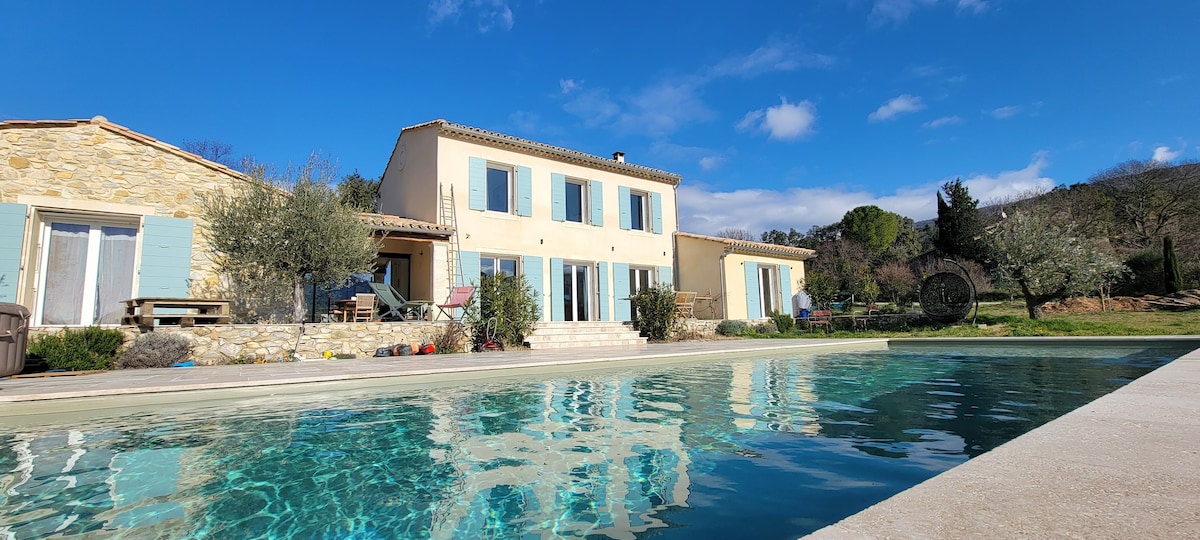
point(1004, 319)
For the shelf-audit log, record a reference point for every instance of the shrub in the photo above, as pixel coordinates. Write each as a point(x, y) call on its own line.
point(450, 338)
point(821, 287)
point(155, 350)
point(79, 350)
point(655, 308)
point(783, 321)
point(732, 328)
point(1145, 277)
point(505, 307)
point(766, 328)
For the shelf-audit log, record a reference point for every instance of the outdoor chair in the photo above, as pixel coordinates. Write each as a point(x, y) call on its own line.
point(822, 318)
point(458, 300)
point(393, 305)
point(685, 304)
point(364, 307)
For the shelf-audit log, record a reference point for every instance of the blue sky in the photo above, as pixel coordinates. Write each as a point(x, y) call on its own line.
point(778, 114)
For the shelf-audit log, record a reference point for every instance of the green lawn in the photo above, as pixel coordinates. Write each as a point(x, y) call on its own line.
point(1009, 319)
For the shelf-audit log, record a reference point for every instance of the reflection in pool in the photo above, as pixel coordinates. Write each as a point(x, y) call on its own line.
point(770, 447)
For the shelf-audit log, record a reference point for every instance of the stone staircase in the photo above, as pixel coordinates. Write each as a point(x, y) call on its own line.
point(561, 335)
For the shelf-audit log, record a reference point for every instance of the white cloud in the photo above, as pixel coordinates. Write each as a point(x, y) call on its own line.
point(974, 6)
point(786, 121)
point(569, 85)
point(884, 12)
point(706, 211)
point(1165, 154)
point(1001, 113)
point(768, 58)
point(943, 121)
point(708, 163)
point(489, 14)
point(666, 106)
point(897, 106)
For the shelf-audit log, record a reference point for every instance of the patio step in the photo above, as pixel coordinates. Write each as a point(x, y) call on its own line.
point(559, 335)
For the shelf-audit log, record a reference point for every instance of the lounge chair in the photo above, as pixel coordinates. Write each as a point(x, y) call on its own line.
point(458, 299)
point(393, 305)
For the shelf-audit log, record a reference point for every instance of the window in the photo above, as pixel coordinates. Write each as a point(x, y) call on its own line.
point(87, 271)
point(640, 278)
point(492, 266)
point(638, 216)
point(576, 202)
point(768, 284)
point(499, 189)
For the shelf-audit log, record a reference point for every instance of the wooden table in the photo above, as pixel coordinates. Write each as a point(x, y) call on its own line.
point(141, 311)
point(347, 307)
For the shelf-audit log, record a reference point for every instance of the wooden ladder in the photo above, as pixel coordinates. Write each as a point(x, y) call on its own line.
point(449, 218)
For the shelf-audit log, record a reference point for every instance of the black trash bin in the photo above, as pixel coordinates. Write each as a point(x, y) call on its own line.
point(14, 335)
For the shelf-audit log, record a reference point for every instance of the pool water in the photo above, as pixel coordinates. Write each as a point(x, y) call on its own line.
point(767, 447)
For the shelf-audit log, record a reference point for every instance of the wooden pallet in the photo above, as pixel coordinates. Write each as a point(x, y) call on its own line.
point(59, 373)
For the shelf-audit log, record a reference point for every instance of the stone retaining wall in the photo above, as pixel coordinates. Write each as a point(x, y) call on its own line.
point(221, 344)
point(697, 328)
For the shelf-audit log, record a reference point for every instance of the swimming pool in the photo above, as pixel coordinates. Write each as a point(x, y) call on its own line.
point(766, 447)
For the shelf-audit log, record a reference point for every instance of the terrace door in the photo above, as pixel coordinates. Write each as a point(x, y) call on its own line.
point(87, 272)
point(576, 292)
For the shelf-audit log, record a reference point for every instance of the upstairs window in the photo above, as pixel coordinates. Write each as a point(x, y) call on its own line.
point(638, 216)
point(576, 201)
point(499, 189)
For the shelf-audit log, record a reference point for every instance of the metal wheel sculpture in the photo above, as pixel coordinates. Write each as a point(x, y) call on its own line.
point(946, 297)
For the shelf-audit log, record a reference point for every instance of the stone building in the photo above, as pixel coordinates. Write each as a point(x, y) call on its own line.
point(92, 213)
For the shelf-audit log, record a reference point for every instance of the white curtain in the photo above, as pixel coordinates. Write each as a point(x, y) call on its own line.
point(114, 280)
point(65, 274)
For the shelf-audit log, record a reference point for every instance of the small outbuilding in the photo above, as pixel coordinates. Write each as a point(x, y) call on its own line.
point(738, 279)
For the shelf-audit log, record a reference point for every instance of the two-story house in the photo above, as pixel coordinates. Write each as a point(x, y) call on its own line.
point(585, 231)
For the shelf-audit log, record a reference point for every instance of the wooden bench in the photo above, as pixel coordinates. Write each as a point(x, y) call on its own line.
point(141, 311)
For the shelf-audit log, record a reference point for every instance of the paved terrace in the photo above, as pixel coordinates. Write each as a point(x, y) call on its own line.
point(1124, 466)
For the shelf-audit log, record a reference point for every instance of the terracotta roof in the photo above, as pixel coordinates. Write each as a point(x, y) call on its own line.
point(103, 122)
point(509, 142)
point(755, 248)
point(390, 223)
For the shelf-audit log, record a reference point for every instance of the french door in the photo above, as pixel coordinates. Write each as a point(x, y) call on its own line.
point(86, 272)
point(768, 281)
point(576, 292)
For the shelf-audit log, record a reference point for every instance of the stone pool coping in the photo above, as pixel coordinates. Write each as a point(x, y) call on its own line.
point(1126, 465)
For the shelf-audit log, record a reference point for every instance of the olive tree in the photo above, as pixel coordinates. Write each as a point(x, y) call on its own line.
point(288, 228)
point(1047, 261)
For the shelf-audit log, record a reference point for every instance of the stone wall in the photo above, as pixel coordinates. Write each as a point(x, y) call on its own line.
point(698, 328)
point(219, 344)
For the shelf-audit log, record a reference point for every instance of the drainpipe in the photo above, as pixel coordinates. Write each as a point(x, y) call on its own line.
point(724, 295)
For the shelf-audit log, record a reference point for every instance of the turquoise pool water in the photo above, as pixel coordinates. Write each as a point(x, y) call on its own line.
point(770, 447)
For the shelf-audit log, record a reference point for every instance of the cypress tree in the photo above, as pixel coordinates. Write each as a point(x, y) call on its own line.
point(1172, 279)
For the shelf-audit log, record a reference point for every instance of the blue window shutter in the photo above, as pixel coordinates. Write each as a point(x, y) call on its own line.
point(623, 204)
point(524, 192)
point(602, 287)
point(785, 286)
point(477, 184)
point(469, 262)
point(12, 222)
point(622, 311)
point(753, 305)
point(597, 203)
point(558, 197)
point(556, 290)
point(531, 267)
point(166, 264)
point(656, 211)
point(665, 277)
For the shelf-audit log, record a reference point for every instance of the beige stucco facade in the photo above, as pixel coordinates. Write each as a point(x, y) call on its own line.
point(96, 172)
point(745, 280)
point(431, 160)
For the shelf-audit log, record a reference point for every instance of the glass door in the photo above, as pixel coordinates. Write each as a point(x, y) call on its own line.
point(576, 292)
point(87, 273)
point(768, 284)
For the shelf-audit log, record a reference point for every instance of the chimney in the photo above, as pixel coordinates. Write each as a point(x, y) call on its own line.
point(619, 156)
